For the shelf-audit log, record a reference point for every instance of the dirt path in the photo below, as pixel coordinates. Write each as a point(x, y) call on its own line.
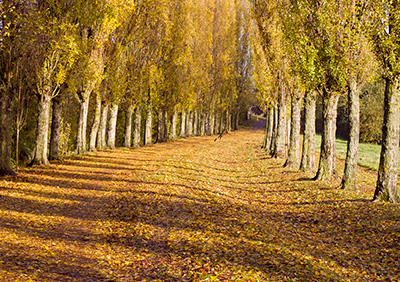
point(192, 210)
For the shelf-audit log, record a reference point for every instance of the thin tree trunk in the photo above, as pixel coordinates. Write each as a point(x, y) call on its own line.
point(149, 126)
point(42, 132)
point(190, 124)
point(96, 124)
point(212, 123)
point(274, 129)
point(308, 154)
point(293, 159)
point(386, 186)
point(279, 150)
point(326, 168)
point(81, 144)
point(228, 121)
point(174, 125)
point(166, 126)
point(138, 127)
point(112, 125)
point(160, 127)
point(55, 129)
point(350, 170)
point(128, 127)
point(203, 123)
point(101, 138)
point(221, 122)
point(195, 123)
point(5, 133)
point(237, 120)
point(217, 124)
point(182, 133)
point(269, 130)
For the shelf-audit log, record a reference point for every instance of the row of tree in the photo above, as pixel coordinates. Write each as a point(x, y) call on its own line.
point(67, 68)
point(329, 48)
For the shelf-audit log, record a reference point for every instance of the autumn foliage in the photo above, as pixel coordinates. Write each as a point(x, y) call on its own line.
point(192, 210)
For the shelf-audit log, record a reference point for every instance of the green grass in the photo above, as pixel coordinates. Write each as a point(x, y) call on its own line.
point(368, 154)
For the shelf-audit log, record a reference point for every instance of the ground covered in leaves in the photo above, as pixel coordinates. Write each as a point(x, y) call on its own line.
point(192, 210)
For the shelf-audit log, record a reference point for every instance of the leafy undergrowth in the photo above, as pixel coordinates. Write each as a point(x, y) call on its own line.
point(192, 210)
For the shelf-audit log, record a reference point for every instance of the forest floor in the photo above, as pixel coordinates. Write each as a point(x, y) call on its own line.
point(193, 210)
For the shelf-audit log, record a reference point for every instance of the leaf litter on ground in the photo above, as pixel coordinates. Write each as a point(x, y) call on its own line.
point(193, 210)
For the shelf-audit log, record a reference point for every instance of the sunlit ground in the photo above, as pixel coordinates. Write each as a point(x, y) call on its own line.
point(192, 210)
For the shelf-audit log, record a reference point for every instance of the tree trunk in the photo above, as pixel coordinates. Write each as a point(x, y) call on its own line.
point(274, 129)
point(81, 145)
point(190, 124)
point(138, 127)
point(326, 168)
point(55, 129)
point(101, 138)
point(212, 124)
point(112, 125)
point(350, 170)
point(222, 125)
point(308, 154)
point(279, 145)
point(203, 124)
point(42, 132)
point(293, 159)
point(228, 125)
point(174, 125)
point(128, 127)
point(217, 129)
point(269, 130)
point(237, 120)
point(5, 133)
point(386, 187)
point(96, 124)
point(182, 133)
point(195, 123)
point(149, 126)
point(160, 127)
point(166, 126)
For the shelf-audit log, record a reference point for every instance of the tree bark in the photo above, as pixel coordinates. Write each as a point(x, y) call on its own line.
point(195, 123)
point(212, 124)
point(149, 126)
point(350, 170)
point(128, 127)
point(5, 133)
point(174, 125)
point(42, 132)
point(293, 159)
point(182, 132)
point(112, 125)
point(55, 129)
point(217, 121)
point(279, 150)
point(308, 154)
point(269, 130)
point(386, 186)
point(96, 124)
point(274, 129)
point(203, 123)
point(237, 120)
point(101, 138)
point(81, 144)
point(166, 126)
point(189, 124)
point(138, 127)
point(326, 168)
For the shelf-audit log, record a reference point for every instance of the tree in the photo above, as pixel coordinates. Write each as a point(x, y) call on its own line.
point(385, 34)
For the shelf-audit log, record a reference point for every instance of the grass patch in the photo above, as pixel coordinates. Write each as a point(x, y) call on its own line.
point(368, 154)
